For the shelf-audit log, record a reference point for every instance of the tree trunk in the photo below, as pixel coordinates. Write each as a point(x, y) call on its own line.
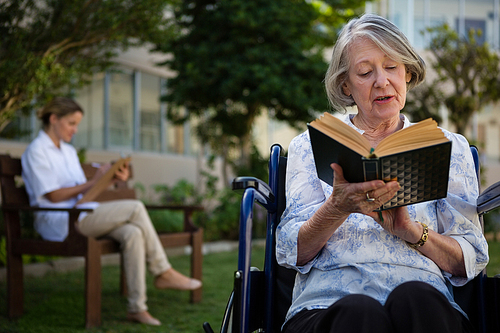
point(246, 139)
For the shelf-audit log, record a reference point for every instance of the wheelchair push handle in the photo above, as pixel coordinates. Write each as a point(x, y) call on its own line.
point(242, 183)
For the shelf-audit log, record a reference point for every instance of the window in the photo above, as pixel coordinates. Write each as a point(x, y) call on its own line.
point(121, 103)
point(91, 129)
point(150, 117)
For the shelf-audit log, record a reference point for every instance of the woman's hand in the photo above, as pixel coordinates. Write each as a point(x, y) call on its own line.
point(397, 222)
point(359, 197)
point(443, 250)
point(346, 198)
point(103, 168)
point(123, 173)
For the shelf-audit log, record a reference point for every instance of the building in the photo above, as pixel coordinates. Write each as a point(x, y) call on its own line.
point(413, 16)
point(123, 113)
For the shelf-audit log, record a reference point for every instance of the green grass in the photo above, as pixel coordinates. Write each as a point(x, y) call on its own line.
point(493, 267)
point(55, 302)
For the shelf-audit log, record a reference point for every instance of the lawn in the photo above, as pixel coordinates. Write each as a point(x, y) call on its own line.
point(55, 303)
point(493, 267)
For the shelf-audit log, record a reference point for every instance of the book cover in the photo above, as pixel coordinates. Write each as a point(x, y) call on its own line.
point(421, 172)
point(103, 182)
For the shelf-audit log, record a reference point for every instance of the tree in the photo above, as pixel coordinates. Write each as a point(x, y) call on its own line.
point(48, 45)
point(423, 102)
point(468, 73)
point(235, 59)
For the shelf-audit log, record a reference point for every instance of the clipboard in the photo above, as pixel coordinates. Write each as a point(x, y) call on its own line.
point(103, 182)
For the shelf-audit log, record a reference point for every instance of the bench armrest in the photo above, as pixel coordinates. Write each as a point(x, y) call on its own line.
point(73, 214)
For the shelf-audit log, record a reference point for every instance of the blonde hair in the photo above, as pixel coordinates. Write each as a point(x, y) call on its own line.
point(59, 106)
point(387, 37)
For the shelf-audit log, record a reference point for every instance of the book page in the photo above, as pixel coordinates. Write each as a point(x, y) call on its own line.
point(103, 182)
point(341, 132)
point(422, 134)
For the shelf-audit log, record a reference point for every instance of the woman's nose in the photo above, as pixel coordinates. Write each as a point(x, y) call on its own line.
point(381, 80)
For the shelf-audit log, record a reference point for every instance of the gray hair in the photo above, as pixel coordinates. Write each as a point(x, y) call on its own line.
point(387, 37)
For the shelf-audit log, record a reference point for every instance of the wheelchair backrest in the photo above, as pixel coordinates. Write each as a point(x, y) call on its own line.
point(284, 278)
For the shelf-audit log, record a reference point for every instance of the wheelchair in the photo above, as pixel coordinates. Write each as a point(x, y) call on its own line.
point(260, 299)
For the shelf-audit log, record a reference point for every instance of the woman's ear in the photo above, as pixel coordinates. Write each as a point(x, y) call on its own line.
point(346, 89)
point(53, 118)
point(408, 76)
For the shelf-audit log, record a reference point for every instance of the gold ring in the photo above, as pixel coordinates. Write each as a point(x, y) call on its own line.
point(368, 198)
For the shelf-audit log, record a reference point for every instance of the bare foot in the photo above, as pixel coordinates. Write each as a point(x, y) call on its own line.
point(144, 318)
point(171, 279)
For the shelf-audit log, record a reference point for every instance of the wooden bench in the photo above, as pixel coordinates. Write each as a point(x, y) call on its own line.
point(15, 202)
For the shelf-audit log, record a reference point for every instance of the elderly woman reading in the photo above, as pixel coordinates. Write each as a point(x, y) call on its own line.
point(360, 271)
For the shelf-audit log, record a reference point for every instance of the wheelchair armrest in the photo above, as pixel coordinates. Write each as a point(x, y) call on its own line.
point(241, 183)
point(489, 199)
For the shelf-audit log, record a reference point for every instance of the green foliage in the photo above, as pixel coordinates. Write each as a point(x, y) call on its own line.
point(492, 223)
point(82, 155)
point(182, 193)
point(236, 58)
point(3, 251)
point(469, 68)
point(167, 220)
point(221, 219)
point(48, 45)
point(423, 102)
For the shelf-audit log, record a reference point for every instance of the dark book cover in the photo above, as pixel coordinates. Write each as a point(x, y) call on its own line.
point(422, 173)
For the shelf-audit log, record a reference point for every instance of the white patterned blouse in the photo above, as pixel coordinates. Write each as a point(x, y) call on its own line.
point(361, 257)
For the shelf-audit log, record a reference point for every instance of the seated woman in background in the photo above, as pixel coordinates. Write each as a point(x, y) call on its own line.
point(54, 178)
point(358, 271)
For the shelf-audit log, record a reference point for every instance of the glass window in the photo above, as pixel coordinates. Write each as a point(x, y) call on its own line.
point(121, 120)
point(175, 138)
point(479, 15)
point(419, 21)
point(444, 11)
point(150, 113)
point(22, 127)
point(399, 15)
point(193, 142)
point(91, 129)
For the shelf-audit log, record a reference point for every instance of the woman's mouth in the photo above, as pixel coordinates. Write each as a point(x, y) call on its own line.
point(384, 99)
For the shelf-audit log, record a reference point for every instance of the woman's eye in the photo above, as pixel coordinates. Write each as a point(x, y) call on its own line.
point(365, 74)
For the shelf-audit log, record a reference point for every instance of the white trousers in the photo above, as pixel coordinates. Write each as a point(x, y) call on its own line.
point(128, 222)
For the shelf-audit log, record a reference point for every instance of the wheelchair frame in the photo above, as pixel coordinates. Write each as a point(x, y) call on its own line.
point(251, 311)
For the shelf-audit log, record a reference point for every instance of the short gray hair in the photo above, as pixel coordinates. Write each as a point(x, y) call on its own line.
point(387, 37)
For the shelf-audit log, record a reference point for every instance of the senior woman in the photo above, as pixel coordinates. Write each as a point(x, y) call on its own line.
point(358, 271)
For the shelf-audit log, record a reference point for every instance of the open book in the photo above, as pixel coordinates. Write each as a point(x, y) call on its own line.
point(418, 157)
point(103, 182)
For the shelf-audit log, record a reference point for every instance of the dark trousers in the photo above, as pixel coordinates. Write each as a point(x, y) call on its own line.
point(412, 307)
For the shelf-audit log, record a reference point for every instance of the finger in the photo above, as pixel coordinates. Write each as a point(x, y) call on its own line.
point(386, 192)
point(338, 173)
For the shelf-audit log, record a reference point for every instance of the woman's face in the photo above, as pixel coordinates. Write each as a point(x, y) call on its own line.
point(65, 127)
point(376, 82)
